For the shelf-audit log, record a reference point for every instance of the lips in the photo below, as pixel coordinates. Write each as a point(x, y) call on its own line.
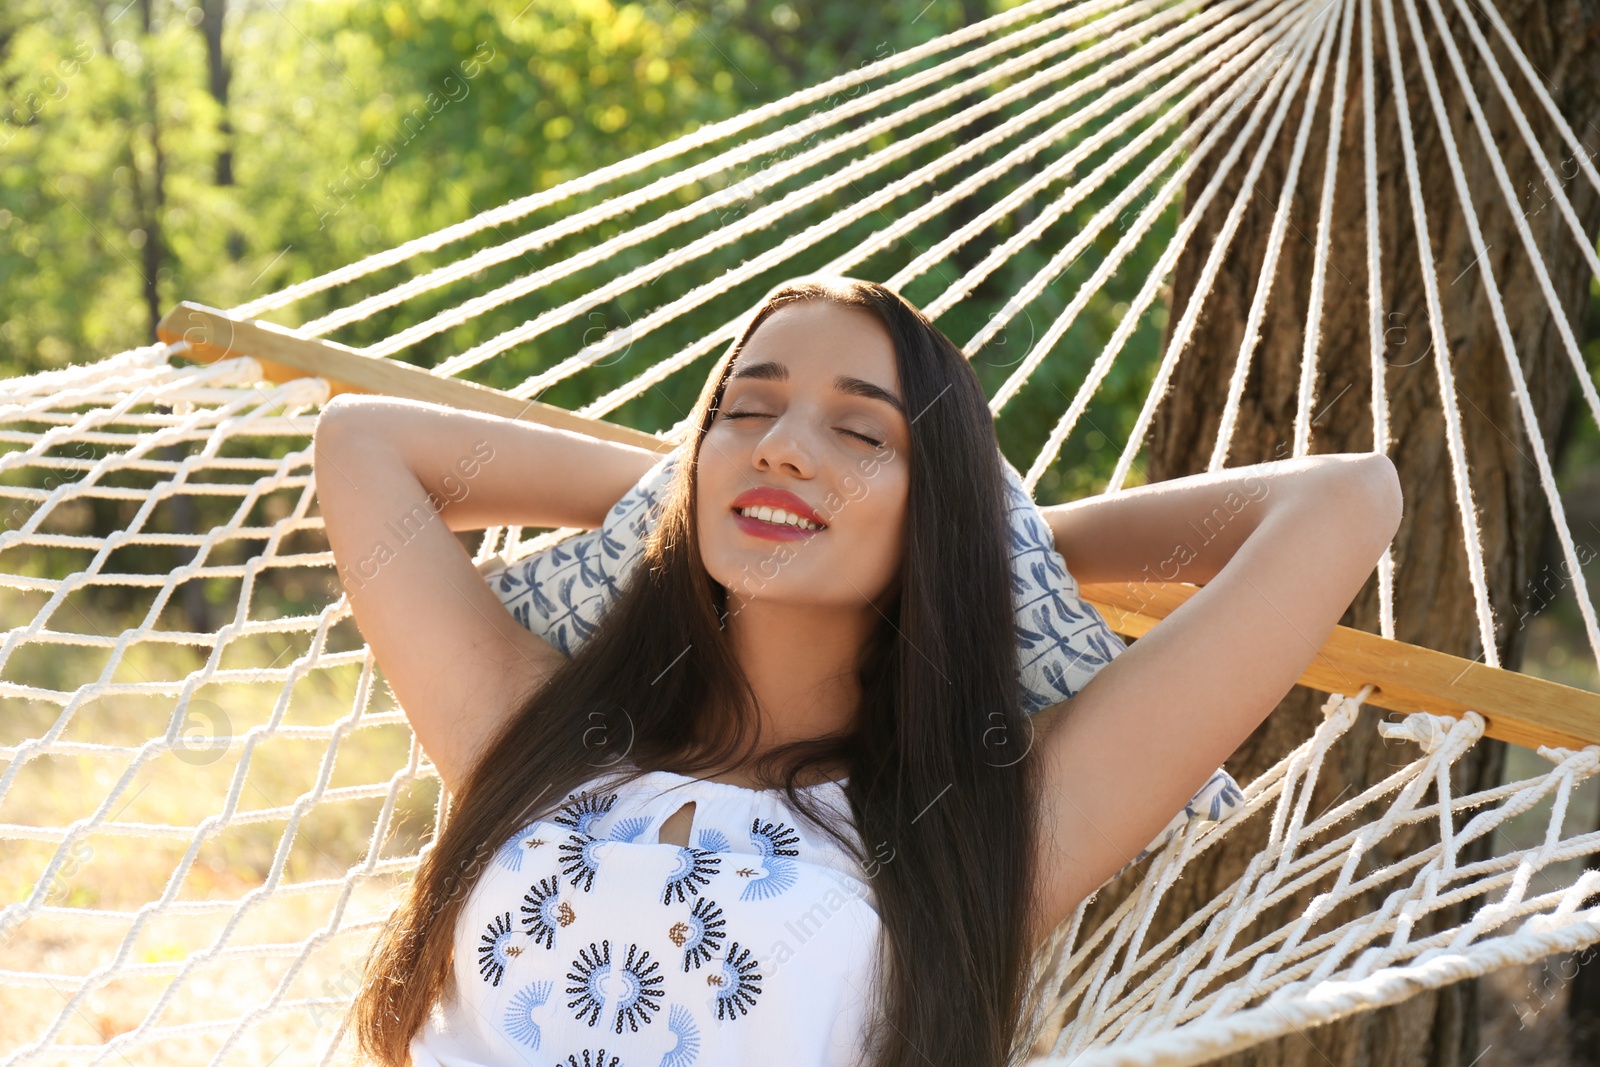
point(767, 496)
point(772, 531)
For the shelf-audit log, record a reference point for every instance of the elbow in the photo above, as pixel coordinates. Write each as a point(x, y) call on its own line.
point(330, 437)
point(334, 420)
point(338, 407)
point(1374, 485)
point(1361, 491)
point(1388, 499)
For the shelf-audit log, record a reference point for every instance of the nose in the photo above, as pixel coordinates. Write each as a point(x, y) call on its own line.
point(785, 445)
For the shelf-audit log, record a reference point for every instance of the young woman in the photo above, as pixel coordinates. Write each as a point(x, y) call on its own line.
point(824, 694)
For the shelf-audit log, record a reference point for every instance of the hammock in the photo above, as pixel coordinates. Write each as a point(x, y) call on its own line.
point(1096, 112)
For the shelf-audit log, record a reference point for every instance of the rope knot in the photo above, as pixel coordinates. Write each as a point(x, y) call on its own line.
point(1430, 731)
point(1584, 761)
point(1340, 711)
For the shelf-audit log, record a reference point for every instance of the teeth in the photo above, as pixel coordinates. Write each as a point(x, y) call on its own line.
point(778, 517)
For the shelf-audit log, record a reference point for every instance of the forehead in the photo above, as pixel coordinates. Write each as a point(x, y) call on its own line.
point(822, 336)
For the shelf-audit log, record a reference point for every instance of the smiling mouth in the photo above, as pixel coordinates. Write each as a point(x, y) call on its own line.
point(779, 517)
point(777, 525)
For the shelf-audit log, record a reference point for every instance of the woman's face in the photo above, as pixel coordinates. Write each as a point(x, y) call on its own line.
point(812, 423)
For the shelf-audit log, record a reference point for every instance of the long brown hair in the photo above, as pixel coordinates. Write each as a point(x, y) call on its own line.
point(937, 791)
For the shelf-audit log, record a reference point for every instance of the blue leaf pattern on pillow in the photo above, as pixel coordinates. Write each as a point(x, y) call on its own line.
point(581, 628)
point(562, 591)
point(541, 603)
point(613, 548)
point(1062, 640)
point(1066, 610)
point(590, 572)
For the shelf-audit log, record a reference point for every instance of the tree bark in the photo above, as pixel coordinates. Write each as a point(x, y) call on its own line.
point(219, 73)
point(1433, 598)
point(213, 14)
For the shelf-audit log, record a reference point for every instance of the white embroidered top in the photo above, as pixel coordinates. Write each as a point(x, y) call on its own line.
point(588, 942)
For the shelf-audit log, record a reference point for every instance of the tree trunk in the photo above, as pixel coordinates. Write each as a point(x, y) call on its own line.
point(219, 73)
point(1433, 598)
point(150, 208)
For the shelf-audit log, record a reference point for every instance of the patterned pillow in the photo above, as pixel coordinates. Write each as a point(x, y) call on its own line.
point(1062, 641)
point(562, 591)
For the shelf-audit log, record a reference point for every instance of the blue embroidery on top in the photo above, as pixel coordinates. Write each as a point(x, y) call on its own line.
point(681, 1023)
point(580, 812)
point(635, 983)
point(599, 1060)
point(587, 973)
point(693, 869)
point(544, 910)
point(774, 839)
point(629, 829)
point(700, 935)
point(776, 873)
point(509, 855)
point(639, 989)
point(519, 1012)
point(712, 840)
point(579, 860)
point(737, 981)
point(495, 948)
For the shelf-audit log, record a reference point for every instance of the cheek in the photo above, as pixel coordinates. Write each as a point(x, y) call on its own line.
point(712, 478)
point(881, 511)
point(888, 488)
point(707, 511)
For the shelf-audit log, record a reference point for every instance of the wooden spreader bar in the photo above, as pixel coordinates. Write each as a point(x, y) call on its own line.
point(285, 356)
point(1518, 708)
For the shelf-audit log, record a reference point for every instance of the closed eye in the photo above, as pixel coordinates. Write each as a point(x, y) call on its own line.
point(763, 415)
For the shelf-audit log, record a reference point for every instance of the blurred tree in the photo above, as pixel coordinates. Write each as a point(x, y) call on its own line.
point(161, 150)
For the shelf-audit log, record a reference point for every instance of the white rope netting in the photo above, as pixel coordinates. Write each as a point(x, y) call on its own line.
point(1225, 979)
point(145, 768)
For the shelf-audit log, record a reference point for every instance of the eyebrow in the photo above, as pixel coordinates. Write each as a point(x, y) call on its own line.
point(769, 371)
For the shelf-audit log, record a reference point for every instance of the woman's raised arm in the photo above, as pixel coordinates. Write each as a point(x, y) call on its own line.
point(395, 478)
point(1121, 757)
point(1182, 530)
point(539, 476)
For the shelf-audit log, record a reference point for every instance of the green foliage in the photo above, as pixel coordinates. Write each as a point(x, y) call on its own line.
point(349, 127)
point(136, 173)
point(355, 126)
